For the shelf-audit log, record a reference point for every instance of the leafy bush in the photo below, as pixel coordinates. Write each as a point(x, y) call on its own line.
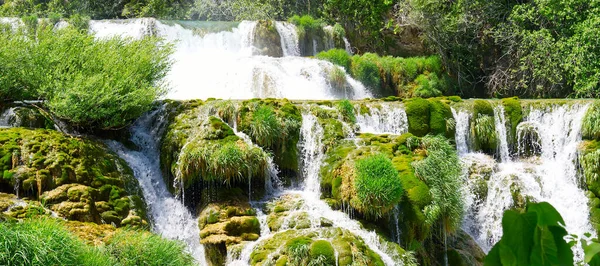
point(427, 86)
point(337, 56)
point(366, 71)
point(378, 185)
point(96, 84)
point(306, 22)
point(143, 248)
point(535, 237)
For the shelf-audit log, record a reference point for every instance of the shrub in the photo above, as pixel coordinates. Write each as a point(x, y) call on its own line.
point(427, 86)
point(143, 248)
point(366, 71)
point(306, 22)
point(95, 84)
point(378, 185)
point(336, 56)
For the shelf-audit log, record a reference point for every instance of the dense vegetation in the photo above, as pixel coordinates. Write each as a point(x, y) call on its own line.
point(95, 84)
point(45, 241)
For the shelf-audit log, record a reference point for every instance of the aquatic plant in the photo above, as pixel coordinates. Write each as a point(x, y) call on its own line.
point(265, 128)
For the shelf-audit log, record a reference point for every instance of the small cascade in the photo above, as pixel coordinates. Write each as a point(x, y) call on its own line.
point(311, 133)
point(397, 237)
point(548, 174)
point(223, 64)
point(382, 118)
point(170, 218)
point(347, 46)
point(7, 117)
point(463, 132)
point(289, 38)
point(501, 133)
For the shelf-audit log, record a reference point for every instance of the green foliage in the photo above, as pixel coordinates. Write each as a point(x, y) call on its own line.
point(428, 86)
point(131, 248)
point(238, 10)
point(366, 71)
point(44, 242)
point(378, 186)
point(265, 128)
point(535, 237)
point(418, 114)
point(441, 171)
point(119, 86)
point(484, 131)
point(591, 123)
point(347, 110)
point(337, 56)
point(306, 22)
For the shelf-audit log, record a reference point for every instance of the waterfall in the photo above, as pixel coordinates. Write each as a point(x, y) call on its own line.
point(289, 38)
point(7, 118)
point(501, 132)
point(551, 176)
point(222, 64)
point(169, 217)
point(462, 118)
point(382, 118)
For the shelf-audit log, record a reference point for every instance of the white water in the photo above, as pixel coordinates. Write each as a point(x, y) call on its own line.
point(222, 64)
point(463, 133)
point(383, 118)
point(7, 117)
point(169, 217)
point(551, 177)
point(289, 38)
point(501, 132)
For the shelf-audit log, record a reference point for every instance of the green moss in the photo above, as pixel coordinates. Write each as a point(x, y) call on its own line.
point(514, 113)
point(322, 251)
point(418, 114)
point(440, 112)
point(482, 107)
point(347, 110)
point(78, 178)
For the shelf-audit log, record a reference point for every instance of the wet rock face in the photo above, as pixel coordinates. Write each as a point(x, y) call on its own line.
point(267, 40)
point(21, 116)
point(75, 178)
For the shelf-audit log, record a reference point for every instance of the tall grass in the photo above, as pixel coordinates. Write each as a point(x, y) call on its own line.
point(591, 123)
point(265, 128)
point(46, 241)
point(347, 110)
point(441, 171)
point(378, 185)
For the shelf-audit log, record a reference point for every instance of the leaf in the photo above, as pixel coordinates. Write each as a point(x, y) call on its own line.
point(546, 214)
point(493, 257)
point(544, 251)
point(591, 251)
point(565, 254)
point(518, 231)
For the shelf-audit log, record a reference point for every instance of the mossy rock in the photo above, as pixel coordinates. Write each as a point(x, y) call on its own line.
point(514, 113)
point(440, 113)
point(267, 39)
point(78, 178)
point(418, 114)
point(322, 251)
point(25, 116)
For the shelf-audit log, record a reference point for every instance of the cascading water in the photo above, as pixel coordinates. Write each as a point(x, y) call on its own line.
point(170, 218)
point(462, 118)
point(551, 176)
point(223, 65)
point(289, 38)
point(382, 118)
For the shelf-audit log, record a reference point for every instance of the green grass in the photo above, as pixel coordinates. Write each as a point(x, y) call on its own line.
point(485, 132)
point(265, 128)
point(441, 171)
point(46, 241)
point(347, 110)
point(591, 123)
point(378, 185)
point(336, 56)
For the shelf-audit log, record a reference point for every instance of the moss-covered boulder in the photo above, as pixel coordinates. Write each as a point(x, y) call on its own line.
point(77, 178)
point(274, 125)
point(267, 39)
point(200, 150)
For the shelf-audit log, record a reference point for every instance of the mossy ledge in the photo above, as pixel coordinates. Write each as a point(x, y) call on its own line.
point(77, 178)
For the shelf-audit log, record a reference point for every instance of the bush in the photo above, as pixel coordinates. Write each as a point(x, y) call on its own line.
point(306, 22)
point(95, 84)
point(427, 86)
point(366, 71)
point(143, 248)
point(378, 185)
point(337, 56)
point(347, 110)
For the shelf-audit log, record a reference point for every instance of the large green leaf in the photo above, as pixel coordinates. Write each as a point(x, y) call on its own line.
point(565, 254)
point(546, 214)
point(591, 251)
point(544, 252)
point(493, 257)
point(518, 230)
